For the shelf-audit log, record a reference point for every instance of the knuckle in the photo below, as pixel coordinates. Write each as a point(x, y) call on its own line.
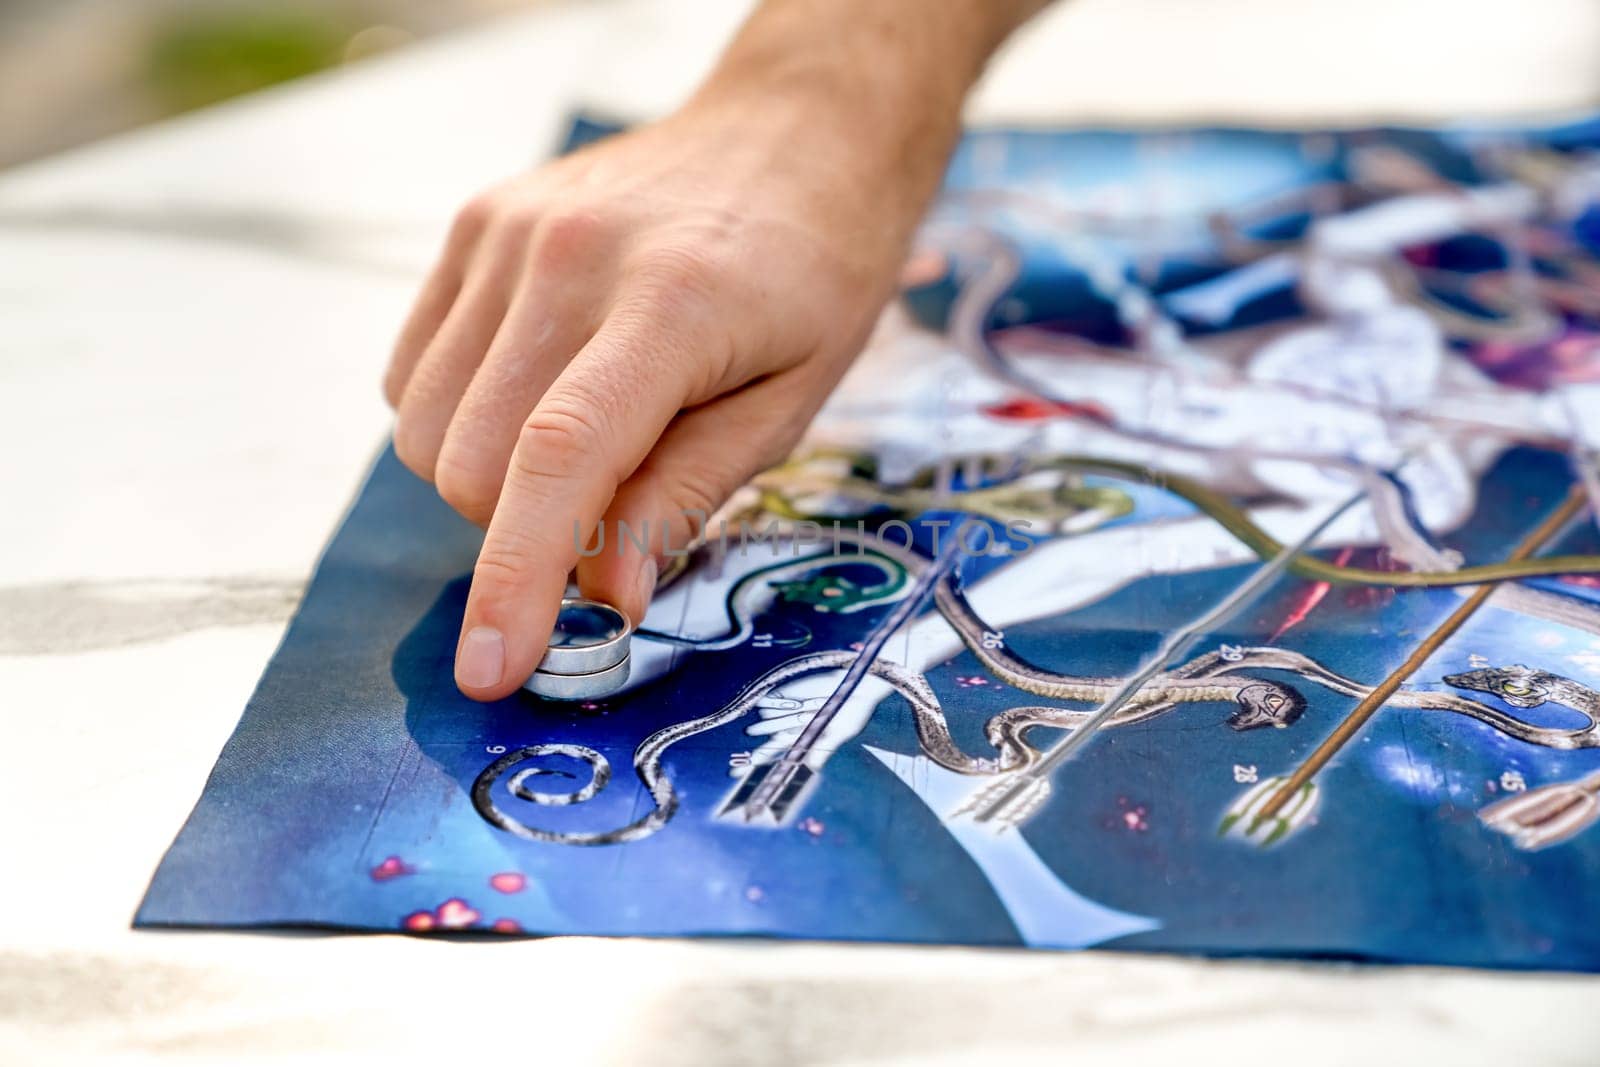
point(512, 554)
point(503, 564)
point(468, 488)
point(560, 440)
point(567, 237)
point(474, 215)
point(413, 451)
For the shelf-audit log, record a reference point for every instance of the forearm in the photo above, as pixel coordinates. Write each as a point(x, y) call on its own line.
point(884, 78)
point(891, 58)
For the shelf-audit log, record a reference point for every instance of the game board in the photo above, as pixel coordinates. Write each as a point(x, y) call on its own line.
point(1354, 374)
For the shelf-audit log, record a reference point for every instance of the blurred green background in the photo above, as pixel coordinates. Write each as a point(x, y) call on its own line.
point(209, 56)
point(75, 70)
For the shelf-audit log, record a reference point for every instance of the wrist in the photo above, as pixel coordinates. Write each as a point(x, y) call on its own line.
point(883, 124)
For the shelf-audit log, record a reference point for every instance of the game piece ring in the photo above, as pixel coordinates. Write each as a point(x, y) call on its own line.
point(589, 636)
point(591, 686)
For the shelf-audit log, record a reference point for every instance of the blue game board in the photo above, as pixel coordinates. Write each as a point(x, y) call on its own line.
point(1130, 368)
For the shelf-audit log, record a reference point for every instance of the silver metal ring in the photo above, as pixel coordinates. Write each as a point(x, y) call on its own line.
point(589, 636)
point(589, 686)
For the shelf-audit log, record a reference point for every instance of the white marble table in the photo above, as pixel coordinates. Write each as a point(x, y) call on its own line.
point(192, 325)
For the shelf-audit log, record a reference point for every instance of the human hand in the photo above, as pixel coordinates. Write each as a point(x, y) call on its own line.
point(631, 332)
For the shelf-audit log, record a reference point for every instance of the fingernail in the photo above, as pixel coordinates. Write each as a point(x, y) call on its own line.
point(482, 660)
point(646, 588)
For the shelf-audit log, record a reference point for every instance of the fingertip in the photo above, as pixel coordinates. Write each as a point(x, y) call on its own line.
point(481, 663)
point(644, 589)
point(499, 647)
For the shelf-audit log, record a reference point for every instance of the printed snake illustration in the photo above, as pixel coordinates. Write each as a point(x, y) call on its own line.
point(1215, 677)
point(1528, 687)
point(1237, 522)
point(1257, 703)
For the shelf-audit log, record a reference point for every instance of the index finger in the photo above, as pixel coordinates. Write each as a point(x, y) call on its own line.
point(594, 425)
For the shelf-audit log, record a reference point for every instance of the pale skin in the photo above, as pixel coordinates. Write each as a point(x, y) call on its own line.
point(628, 334)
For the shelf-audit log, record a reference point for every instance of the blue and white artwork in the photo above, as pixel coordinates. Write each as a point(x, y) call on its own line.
point(1128, 372)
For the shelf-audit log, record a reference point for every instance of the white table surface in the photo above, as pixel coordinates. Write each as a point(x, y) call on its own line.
point(193, 320)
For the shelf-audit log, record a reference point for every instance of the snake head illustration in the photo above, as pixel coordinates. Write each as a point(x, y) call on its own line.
point(1266, 704)
point(1519, 686)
